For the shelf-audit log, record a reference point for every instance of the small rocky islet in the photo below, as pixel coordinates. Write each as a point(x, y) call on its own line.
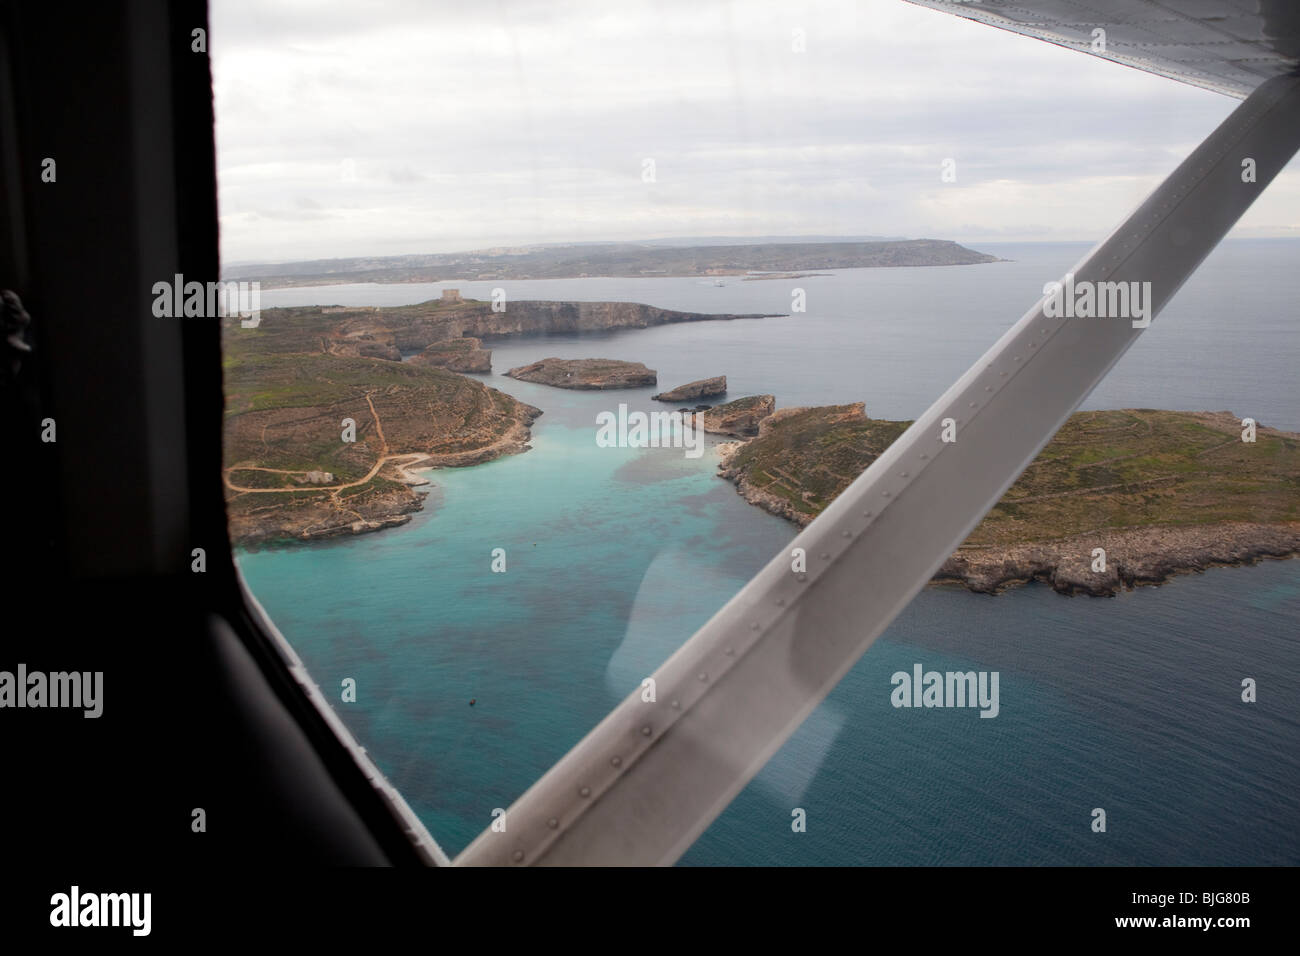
point(588, 374)
point(694, 391)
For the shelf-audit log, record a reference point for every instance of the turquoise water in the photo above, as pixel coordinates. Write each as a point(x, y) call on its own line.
point(615, 556)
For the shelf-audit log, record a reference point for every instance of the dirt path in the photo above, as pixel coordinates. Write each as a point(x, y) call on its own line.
point(384, 458)
point(379, 426)
point(351, 484)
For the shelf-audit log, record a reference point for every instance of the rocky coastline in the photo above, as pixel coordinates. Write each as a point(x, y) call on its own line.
point(1134, 557)
point(994, 560)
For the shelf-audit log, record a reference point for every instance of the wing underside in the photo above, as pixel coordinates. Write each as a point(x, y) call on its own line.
point(1229, 46)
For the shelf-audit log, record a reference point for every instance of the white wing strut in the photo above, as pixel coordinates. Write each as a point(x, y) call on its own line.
point(651, 776)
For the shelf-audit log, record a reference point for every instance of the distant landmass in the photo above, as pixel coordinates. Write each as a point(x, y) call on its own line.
point(1162, 492)
point(616, 260)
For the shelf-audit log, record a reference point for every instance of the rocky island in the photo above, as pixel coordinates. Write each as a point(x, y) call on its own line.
point(1162, 492)
point(592, 373)
point(693, 391)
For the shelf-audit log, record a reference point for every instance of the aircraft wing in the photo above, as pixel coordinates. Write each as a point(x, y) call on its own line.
point(653, 774)
point(1229, 46)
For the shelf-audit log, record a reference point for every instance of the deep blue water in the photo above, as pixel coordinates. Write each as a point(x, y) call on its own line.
point(615, 556)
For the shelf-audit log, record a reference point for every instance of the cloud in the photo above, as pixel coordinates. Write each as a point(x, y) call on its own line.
point(411, 127)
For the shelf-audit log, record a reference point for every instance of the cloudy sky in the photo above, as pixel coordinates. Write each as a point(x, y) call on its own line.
point(410, 126)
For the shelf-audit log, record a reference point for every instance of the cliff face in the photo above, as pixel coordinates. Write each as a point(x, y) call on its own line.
point(540, 318)
point(585, 373)
point(456, 355)
point(387, 332)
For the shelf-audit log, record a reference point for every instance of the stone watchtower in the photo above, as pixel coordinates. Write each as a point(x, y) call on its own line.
point(451, 295)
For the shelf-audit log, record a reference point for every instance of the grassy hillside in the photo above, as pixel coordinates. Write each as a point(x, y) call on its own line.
point(289, 470)
point(1103, 470)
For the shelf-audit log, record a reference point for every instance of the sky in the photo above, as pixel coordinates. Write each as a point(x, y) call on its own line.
point(422, 126)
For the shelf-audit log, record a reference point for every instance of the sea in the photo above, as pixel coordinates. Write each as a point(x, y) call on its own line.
point(1131, 705)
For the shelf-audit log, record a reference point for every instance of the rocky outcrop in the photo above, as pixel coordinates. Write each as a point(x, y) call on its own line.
point(376, 350)
point(739, 419)
point(692, 391)
point(456, 355)
point(585, 373)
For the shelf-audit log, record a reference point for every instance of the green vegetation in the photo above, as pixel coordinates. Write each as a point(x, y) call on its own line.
point(1103, 471)
point(295, 468)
